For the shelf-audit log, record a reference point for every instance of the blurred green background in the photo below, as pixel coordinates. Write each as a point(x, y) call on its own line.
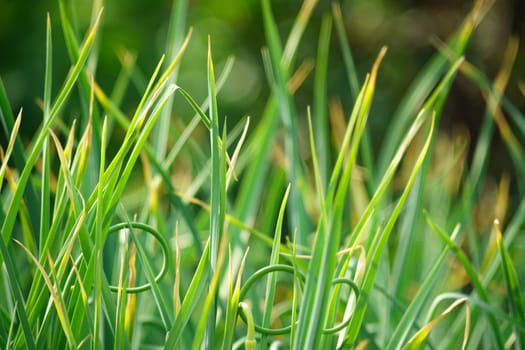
point(235, 26)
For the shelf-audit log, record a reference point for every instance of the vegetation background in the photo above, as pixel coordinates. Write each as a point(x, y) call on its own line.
point(140, 26)
point(379, 216)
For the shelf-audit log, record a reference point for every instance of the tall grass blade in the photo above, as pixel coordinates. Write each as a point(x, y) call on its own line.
point(322, 266)
point(45, 201)
point(473, 275)
point(17, 295)
point(272, 280)
point(280, 73)
point(8, 125)
point(56, 297)
point(195, 291)
point(353, 82)
point(418, 340)
point(218, 192)
point(233, 305)
point(373, 257)
point(173, 41)
point(414, 309)
point(7, 226)
point(320, 98)
point(513, 289)
point(9, 149)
